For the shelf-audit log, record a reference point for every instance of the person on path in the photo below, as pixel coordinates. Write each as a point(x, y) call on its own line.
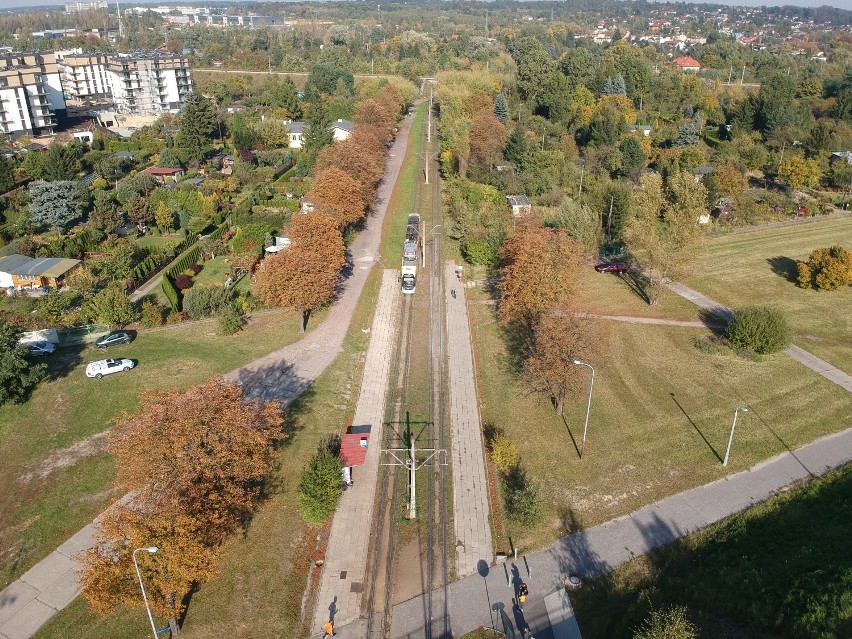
point(329, 629)
point(522, 594)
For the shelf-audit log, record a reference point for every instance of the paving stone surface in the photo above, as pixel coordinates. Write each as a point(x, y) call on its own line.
point(471, 509)
point(349, 539)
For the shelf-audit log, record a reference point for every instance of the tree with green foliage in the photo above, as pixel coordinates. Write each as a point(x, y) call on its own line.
point(53, 205)
point(105, 216)
point(242, 137)
point(522, 497)
point(168, 159)
point(204, 300)
point(318, 134)
point(324, 79)
point(758, 329)
point(501, 107)
point(320, 485)
point(633, 157)
point(7, 174)
point(59, 163)
point(18, 375)
point(286, 98)
point(687, 135)
point(517, 145)
point(197, 124)
point(231, 320)
point(798, 172)
point(615, 86)
point(110, 306)
point(534, 66)
point(250, 238)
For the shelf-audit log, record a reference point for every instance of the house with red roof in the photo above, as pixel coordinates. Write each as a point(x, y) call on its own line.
point(165, 175)
point(687, 63)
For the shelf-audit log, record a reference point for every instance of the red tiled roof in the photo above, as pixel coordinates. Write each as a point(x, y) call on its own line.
point(351, 451)
point(687, 61)
point(163, 171)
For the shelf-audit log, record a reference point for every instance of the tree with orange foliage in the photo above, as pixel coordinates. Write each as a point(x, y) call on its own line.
point(337, 194)
point(559, 338)
point(487, 138)
point(304, 277)
point(361, 161)
point(193, 462)
point(377, 113)
point(539, 268)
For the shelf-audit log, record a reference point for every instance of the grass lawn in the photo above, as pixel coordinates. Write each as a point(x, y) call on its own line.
point(52, 491)
point(159, 241)
point(752, 268)
point(642, 444)
point(781, 569)
point(216, 271)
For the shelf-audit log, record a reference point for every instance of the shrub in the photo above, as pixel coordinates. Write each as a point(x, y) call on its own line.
point(195, 268)
point(152, 314)
point(205, 300)
point(504, 452)
point(523, 501)
point(709, 345)
point(182, 282)
point(176, 317)
point(231, 320)
point(758, 329)
point(827, 269)
point(250, 238)
point(671, 623)
point(171, 292)
point(479, 251)
point(320, 486)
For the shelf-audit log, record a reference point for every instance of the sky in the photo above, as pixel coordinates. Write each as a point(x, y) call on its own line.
point(843, 4)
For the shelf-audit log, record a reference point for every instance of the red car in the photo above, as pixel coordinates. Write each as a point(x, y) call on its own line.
point(612, 267)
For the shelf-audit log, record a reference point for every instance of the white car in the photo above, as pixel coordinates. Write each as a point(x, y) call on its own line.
point(107, 366)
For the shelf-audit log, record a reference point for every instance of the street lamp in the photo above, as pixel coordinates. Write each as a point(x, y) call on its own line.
point(588, 406)
point(152, 550)
point(731, 438)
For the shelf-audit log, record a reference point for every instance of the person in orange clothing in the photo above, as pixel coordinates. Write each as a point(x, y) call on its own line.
point(329, 629)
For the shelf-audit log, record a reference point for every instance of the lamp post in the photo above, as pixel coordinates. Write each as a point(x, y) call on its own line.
point(588, 406)
point(731, 438)
point(152, 550)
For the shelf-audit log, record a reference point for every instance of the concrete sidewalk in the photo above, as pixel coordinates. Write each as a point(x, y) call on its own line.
point(471, 509)
point(598, 550)
point(817, 365)
point(345, 568)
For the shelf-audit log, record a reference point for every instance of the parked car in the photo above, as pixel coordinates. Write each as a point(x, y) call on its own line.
point(108, 366)
point(611, 267)
point(41, 348)
point(116, 337)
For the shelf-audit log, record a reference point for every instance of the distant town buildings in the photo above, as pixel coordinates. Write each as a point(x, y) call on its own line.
point(30, 93)
point(76, 7)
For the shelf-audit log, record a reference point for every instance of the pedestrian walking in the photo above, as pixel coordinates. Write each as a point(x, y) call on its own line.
point(522, 594)
point(329, 629)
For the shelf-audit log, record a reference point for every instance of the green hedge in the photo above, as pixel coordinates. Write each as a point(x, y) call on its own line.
point(182, 263)
point(171, 293)
point(143, 268)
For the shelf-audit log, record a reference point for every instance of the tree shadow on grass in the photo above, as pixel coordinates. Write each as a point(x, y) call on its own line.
point(784, 267)
point(519, 341)
point(637, 283)
point(713, 320)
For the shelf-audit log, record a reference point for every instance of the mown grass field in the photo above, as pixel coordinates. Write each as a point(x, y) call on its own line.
point(755, 268)
point(54, 490)
point(263, 574)
point(660, 418)
point(781, 569)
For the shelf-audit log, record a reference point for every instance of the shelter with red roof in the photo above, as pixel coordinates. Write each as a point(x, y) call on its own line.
point(687, 63)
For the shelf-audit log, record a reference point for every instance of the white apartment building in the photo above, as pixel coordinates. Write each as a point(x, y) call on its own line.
point(76, 7)
point(84, 76)
point(30, 93)
point(148, 82)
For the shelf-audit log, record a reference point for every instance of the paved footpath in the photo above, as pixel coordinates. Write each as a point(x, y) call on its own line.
point(28, 603)
point(345, 565)
point(471, 509)
point(598, 550)
point(817, 365)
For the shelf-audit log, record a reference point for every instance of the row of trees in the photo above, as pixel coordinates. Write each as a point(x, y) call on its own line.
point(347, 174)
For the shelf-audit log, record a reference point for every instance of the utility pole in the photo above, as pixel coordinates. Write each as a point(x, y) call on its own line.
point(730, 74)
point(407, 457)
point(609, 220)
point(429, 124)
point(742, 77)
point(426, 158)
point(486, 22)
